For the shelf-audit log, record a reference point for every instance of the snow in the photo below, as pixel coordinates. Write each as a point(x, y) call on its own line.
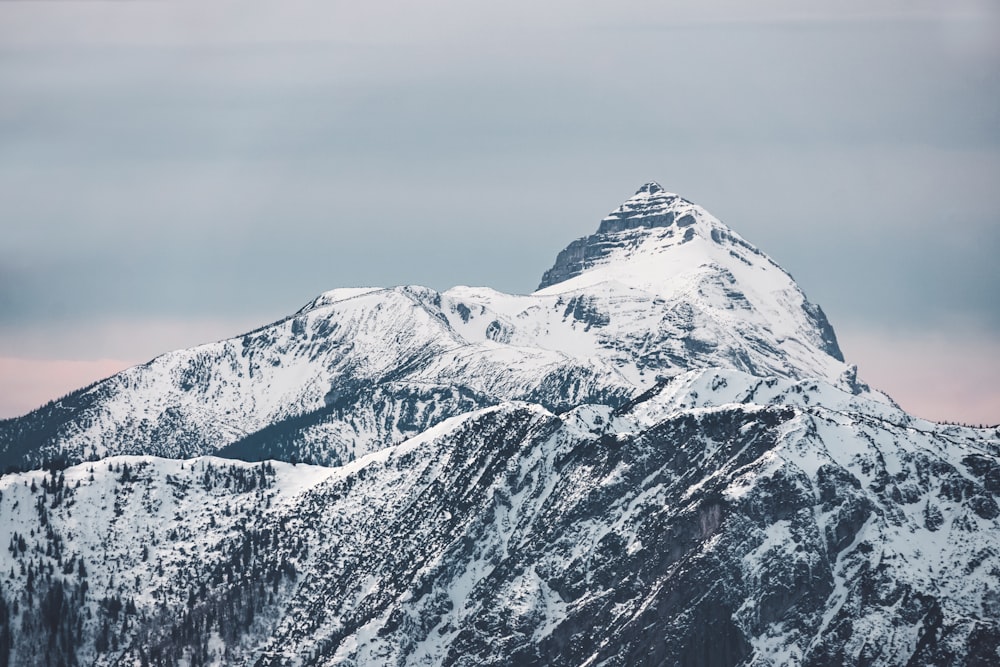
point(656, 313)
point(657, 306)
point(851, 434)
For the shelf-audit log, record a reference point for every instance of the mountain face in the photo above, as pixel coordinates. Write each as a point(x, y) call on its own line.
point(712, 267)
point(358, 369)
point(658, 458)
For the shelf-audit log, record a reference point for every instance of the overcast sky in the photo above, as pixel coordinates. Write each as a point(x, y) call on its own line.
point(177, 172)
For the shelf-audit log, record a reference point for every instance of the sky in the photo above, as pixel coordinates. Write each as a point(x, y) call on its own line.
point(175, 172)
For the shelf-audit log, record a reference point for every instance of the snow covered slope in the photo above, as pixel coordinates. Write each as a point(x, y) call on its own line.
point(721, 519)
point(662, 288)
point(727, 301)
point(658, 458)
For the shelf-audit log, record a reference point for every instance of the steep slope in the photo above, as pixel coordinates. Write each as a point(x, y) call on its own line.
point(663, 533)
point(662, 288)
point(101, 554)
point(721, 519)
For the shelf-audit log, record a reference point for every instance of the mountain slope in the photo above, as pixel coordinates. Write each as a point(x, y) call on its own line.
point(668, 247)
point(359, 369)
point(721, 519)
point(658, 458)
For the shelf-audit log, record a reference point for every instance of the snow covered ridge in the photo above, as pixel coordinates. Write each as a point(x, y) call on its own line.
point(662, 288)
point(658, 458)
point(712, 521)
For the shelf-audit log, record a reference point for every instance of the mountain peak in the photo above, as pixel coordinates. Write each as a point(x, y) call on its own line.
point(650, 206)
point(674, 250)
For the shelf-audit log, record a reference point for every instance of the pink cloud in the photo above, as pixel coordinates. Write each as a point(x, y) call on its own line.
point(28, 383)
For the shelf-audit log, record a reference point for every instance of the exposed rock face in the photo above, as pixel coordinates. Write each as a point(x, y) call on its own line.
point(650, 207)
point(658, 459)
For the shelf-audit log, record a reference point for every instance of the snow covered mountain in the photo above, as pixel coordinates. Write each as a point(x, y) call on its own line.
point(658, 458)
point(359, 369)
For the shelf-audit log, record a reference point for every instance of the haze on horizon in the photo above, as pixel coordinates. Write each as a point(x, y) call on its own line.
point(173, 173)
